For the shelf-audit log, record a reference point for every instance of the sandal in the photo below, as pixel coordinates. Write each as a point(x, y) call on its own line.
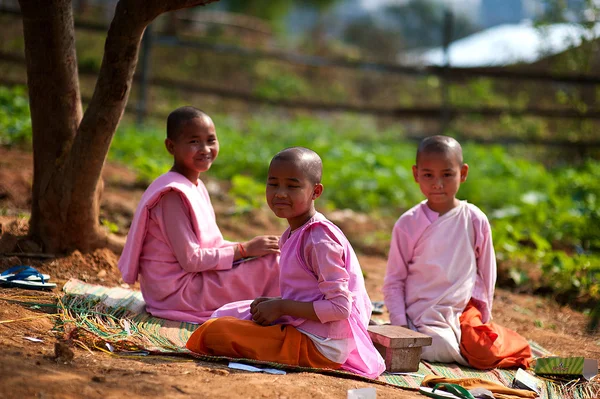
point(22, 268)
point(451, 391)
point(25, 277)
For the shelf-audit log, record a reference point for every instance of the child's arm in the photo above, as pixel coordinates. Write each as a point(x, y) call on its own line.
point(174, 218)
point(483, 292)
point(266, 310)
point(323, 255)
point(401, 250)
point(259, 246)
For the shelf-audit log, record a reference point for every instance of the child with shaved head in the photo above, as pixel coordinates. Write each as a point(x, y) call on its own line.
point(441, 269)
point(321, 318)
point(185, 267)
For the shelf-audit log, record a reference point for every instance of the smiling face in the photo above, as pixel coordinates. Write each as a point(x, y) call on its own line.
point(290, 193)
point(440, 175)
point(194, 147)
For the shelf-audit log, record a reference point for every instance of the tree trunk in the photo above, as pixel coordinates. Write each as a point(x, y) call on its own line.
point(70, 151)
point(55, 106)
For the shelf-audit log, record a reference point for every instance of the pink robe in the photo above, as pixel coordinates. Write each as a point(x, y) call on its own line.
point(184, 264)
point(435, 266)
point(318, 265)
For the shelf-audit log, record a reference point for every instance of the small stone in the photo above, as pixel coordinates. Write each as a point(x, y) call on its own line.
point(219, 371)
point(101, 273)
point(62, 352)
point(28, 245)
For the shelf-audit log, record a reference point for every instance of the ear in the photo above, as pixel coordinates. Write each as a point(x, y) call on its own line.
point(415, 173)
point(317, 191)
point(169, 145)
point(464, 171)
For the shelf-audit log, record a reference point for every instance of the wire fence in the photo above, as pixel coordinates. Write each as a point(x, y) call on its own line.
point(443, 112)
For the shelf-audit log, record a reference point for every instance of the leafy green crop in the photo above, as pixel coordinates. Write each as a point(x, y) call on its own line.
point(15, 120)
point(544, 221)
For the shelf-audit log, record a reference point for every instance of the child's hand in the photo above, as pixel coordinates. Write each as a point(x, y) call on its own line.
point(266, 310)
point(259, 300)
point(262, 245)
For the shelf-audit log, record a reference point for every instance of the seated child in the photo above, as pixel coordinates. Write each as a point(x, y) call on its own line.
point(186, 268)
point(321, 318)
point(441, 269)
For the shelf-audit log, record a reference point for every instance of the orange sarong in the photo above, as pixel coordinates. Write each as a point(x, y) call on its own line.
point(487, 346)
point(231, 337)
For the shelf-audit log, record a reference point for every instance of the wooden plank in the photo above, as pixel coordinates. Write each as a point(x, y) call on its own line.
point(400, 359)
point(398, 337)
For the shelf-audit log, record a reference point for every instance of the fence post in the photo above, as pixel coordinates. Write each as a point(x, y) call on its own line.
point(445, 95)
point(142, 103)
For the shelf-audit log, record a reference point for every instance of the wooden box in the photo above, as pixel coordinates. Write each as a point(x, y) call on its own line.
point(400, 347)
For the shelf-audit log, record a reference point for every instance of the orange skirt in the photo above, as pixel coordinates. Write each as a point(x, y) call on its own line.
point(231, 337)
point(487, 346)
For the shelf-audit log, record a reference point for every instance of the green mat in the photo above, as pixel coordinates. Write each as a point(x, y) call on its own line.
point(95, 315)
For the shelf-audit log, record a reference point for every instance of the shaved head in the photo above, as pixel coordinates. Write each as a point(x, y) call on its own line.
point(306, 159)
point(443, 145)
point(180, 116)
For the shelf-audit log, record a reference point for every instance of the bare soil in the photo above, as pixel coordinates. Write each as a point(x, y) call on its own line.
point(36, 369)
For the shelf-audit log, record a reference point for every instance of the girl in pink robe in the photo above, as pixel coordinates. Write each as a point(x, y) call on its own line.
point(321, 318)
point(442, 262)
point(185, 267)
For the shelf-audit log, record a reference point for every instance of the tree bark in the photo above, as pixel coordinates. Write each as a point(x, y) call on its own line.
point(70, 151)
point(55, 107)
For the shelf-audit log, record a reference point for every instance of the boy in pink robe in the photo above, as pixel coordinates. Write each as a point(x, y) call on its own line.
point(185, 267)
point(442, 263)
point(321, 318)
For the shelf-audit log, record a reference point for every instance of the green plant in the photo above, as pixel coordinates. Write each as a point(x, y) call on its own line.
point(15, 121)
point(275, 82)
point(247, 193)
point(110, 226)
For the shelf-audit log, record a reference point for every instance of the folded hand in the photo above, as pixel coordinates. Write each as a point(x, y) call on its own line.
point(266, 310)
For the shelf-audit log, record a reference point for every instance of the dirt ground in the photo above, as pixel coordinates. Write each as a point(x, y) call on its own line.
point(32, 370)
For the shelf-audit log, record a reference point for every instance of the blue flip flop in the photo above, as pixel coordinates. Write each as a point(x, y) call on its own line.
point(8, 273)
point(25, 277)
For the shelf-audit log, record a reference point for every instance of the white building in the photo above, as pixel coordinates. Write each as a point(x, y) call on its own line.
point(505, 45)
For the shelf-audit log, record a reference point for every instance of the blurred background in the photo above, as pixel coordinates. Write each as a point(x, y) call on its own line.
point(360, 82)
